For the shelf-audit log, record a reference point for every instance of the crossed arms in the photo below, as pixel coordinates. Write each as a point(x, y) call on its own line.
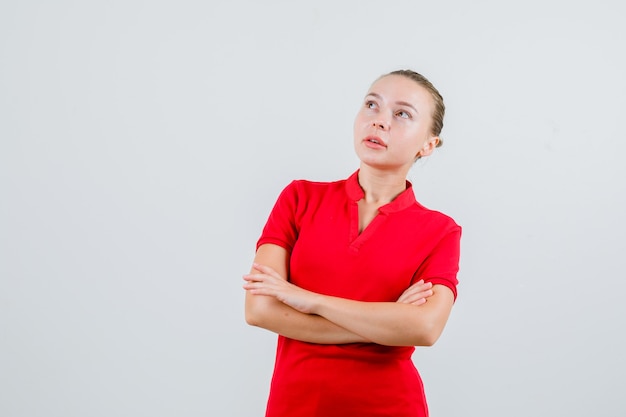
point(417, 318)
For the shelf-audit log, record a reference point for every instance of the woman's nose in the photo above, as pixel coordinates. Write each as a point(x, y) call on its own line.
point(380, 124)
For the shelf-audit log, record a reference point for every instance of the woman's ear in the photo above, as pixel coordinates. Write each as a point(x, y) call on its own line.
point(429, 147)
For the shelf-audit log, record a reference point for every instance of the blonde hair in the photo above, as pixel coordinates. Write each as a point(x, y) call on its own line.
point(440, 108)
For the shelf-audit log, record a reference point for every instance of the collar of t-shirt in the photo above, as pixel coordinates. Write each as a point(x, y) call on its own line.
point(404, 200)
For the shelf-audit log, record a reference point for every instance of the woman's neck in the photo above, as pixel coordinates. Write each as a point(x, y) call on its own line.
point(380, 186)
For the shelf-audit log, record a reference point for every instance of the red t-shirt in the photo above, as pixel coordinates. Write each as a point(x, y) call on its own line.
point(317, 223)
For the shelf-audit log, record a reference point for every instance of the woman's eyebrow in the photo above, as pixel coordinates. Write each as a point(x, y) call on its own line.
point(402, 103)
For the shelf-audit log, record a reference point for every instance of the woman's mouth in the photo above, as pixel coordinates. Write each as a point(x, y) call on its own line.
point(374, 142)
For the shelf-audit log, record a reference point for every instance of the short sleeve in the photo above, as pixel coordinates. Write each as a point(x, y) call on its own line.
point(442, 264)
point(283, 225)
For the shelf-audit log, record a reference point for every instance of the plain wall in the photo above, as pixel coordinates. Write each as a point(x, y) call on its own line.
point(142, 145)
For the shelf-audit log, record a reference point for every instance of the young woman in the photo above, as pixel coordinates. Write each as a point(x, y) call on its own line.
point(353, 274)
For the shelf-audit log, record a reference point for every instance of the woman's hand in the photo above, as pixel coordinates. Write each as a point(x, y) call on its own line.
point(269, 282)
point(417, 293)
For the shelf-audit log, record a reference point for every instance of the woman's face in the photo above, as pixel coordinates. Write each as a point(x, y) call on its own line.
point(393, 127)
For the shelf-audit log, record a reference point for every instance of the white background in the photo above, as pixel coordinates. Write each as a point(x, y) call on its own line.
point(143, 143)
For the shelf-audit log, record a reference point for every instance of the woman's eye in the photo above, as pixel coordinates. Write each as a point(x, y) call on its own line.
point(370, 104)
point(403, 114)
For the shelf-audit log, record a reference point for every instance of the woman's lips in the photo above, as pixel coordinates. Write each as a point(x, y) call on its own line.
point(374, 142)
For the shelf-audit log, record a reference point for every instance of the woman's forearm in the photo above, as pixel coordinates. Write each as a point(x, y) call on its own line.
point(392, 324)
point(386, 323)
point(279, 306)
point(269, 313)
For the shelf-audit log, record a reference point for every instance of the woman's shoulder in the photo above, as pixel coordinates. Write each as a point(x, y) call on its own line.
point(314, 187)
point(436, 217)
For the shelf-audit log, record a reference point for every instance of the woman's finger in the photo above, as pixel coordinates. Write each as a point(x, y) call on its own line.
point(267, 270)
point(415, 298)
point(419, 298)
point(416, 292)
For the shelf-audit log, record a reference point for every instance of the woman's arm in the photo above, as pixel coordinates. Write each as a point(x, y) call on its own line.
point(271, 314)
point(385, 323)
point(392, 324)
